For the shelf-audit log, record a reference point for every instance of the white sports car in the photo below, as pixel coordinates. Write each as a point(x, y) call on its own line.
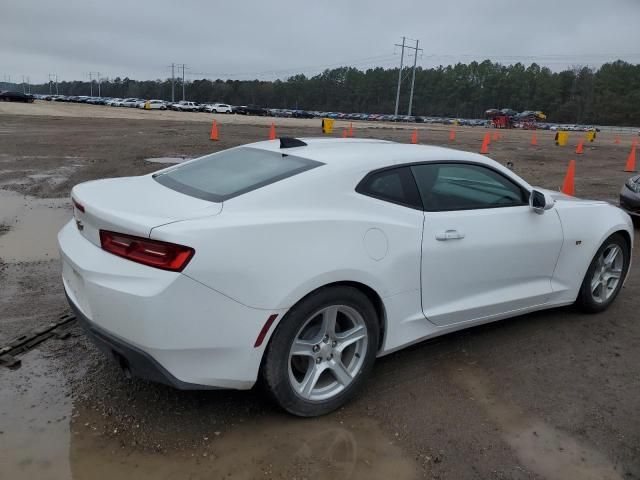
point(302, 260)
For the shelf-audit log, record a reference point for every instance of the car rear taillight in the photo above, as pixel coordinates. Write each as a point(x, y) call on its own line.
point(77, 205)
point(153, 253)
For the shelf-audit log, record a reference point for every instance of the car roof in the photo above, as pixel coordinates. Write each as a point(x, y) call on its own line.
point(370, 154)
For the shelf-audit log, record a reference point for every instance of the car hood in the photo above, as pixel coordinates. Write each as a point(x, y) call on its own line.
point(562, 197)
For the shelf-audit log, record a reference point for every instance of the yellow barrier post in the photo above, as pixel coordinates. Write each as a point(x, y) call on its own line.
point(562, 138)
point(327, 125)
point(591, 135)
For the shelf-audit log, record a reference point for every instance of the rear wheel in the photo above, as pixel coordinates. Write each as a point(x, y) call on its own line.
point(322, 351)
point(605, 275)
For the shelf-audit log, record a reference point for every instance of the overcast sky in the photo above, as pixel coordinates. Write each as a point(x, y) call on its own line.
point(276, 38)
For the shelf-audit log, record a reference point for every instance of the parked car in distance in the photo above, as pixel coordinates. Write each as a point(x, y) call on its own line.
point(8, 96)
point(153, 104)
point(113, 102)
point(129, 102)
point(222, 108)
point(300, 262)
point(250, 110)
point(217, 108)
point(184, 106)
point(301, 114)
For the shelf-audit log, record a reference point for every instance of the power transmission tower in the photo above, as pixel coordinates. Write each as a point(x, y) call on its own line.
point(97, 76)
point(415, 59)
point(413, 76)
point(55, 76)
point(399, 76)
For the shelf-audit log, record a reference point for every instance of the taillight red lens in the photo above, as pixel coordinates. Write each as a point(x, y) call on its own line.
point(77, 205)
point(153, 253)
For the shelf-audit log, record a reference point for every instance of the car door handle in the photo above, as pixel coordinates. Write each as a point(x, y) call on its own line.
point(449, 235)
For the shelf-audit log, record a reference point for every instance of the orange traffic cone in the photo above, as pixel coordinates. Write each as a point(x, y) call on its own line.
point(496, 136)
point(272, 132)
point(345, 134)
point(350, 129)
point(452, 135)
point(617, 140)
point(534, 139)
point(214, 131)
point(485, 143)
point(568, 186)
point(631, 160)
point(414, 136)
point(580, 147)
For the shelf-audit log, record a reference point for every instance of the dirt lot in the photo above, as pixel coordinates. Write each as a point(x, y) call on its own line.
point(552, 395)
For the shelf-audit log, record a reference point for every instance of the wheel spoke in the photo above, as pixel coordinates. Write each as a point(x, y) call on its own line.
point(310, 379)
point(612, 274)
point(595, 283)
point(349, 337)
point(329, 317)
point(340, 372)
point(302, 348)
point(611, 256)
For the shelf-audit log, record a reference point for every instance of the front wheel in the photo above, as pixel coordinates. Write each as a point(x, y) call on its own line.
point(605, 275)
point(322, 351)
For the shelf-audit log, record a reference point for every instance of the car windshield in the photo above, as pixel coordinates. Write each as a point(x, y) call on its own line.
point(230, 173)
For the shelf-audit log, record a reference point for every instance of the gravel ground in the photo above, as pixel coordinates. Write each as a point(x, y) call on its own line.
point(549, 395)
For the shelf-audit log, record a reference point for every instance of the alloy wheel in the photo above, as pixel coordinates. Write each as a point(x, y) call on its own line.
point(327, 352)
point(607, 273)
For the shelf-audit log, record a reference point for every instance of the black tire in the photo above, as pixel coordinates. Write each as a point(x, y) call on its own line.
point(275, 366)
point(586, 300)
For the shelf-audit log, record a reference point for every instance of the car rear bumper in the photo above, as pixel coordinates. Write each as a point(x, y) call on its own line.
point(132, 360)
point(162, 325)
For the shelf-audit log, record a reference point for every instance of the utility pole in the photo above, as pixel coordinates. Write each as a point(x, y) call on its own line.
point(413, 77)
point(183, 82)
point(399, 76)
point(24, 85)
point(173, 82)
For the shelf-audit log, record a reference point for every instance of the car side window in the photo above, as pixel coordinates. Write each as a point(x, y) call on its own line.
point(394, 185)
point(464, 186)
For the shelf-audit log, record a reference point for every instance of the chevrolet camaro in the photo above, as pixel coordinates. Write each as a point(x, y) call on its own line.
point(298, 262)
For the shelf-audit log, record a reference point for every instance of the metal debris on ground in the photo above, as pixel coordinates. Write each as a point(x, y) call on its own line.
point(28, 341)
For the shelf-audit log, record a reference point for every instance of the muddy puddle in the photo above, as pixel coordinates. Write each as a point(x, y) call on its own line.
point(35, 410)
point(548, 452)
point(45, 436)
point(29, 226)
point(167, 160)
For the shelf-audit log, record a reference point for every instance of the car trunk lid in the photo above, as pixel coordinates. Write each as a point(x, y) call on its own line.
point(133, 205)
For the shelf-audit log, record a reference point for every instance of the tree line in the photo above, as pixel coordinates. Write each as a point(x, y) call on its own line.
point(609, 95)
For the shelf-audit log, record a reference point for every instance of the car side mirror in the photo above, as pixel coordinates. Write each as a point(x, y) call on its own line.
point(540, 201)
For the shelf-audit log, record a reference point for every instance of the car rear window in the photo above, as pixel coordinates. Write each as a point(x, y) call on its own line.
point(224, 175)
